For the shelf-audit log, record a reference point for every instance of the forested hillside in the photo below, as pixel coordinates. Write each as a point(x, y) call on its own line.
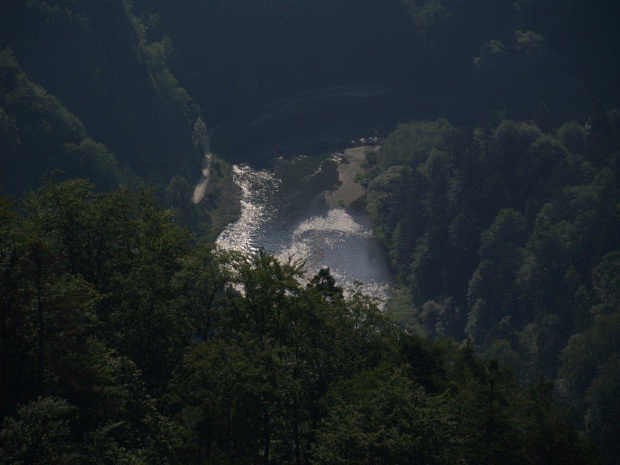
point(127, 339)
point(98, 59)
point(39, 135)
point(86, 88)
point(454, 59)
point(123, 343)
point(123, 67)
point(508, 235)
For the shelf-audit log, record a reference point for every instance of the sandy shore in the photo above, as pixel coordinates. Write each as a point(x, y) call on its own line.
point(349, 191)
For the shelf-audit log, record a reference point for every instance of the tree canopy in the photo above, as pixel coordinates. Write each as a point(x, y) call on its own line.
point(124, 342)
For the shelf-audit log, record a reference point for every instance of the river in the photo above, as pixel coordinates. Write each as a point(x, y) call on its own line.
point(285, 212)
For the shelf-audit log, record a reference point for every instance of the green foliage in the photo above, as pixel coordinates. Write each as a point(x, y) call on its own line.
point(40, 135)
point(123, 343)
point(40, 434)
point(382, 204)
point(401, 310)
point(492, 302)
point(105, 66)
point(542, 119)
point(412, 143)
point(508, 236)
point(199, 136)
point(381, 417)
point(427, 18)
point(589, 381)
point(572, 137)
point(605, 281)
point(602, 415)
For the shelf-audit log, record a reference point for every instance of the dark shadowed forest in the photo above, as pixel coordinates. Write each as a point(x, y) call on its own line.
point(128, 337)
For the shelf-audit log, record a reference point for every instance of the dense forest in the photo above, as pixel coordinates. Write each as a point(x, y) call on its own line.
point(507, 235)
point(124, 343)
point(126, 336)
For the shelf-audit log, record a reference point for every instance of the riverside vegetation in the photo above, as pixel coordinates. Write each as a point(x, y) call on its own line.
point(507, 236)
point(127, 337)
point(123, 342)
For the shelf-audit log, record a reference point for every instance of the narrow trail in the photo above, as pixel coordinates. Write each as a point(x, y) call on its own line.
point(201, 187)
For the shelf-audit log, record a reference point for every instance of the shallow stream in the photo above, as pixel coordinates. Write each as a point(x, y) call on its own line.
point(285, 212)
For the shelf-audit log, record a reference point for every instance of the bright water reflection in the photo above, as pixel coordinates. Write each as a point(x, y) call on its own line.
point(285, 212)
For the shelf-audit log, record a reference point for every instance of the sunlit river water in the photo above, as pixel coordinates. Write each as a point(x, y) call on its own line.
point(285, 212)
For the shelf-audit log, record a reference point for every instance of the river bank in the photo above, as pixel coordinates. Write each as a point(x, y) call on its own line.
point(348, 190)
point(284, 212)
